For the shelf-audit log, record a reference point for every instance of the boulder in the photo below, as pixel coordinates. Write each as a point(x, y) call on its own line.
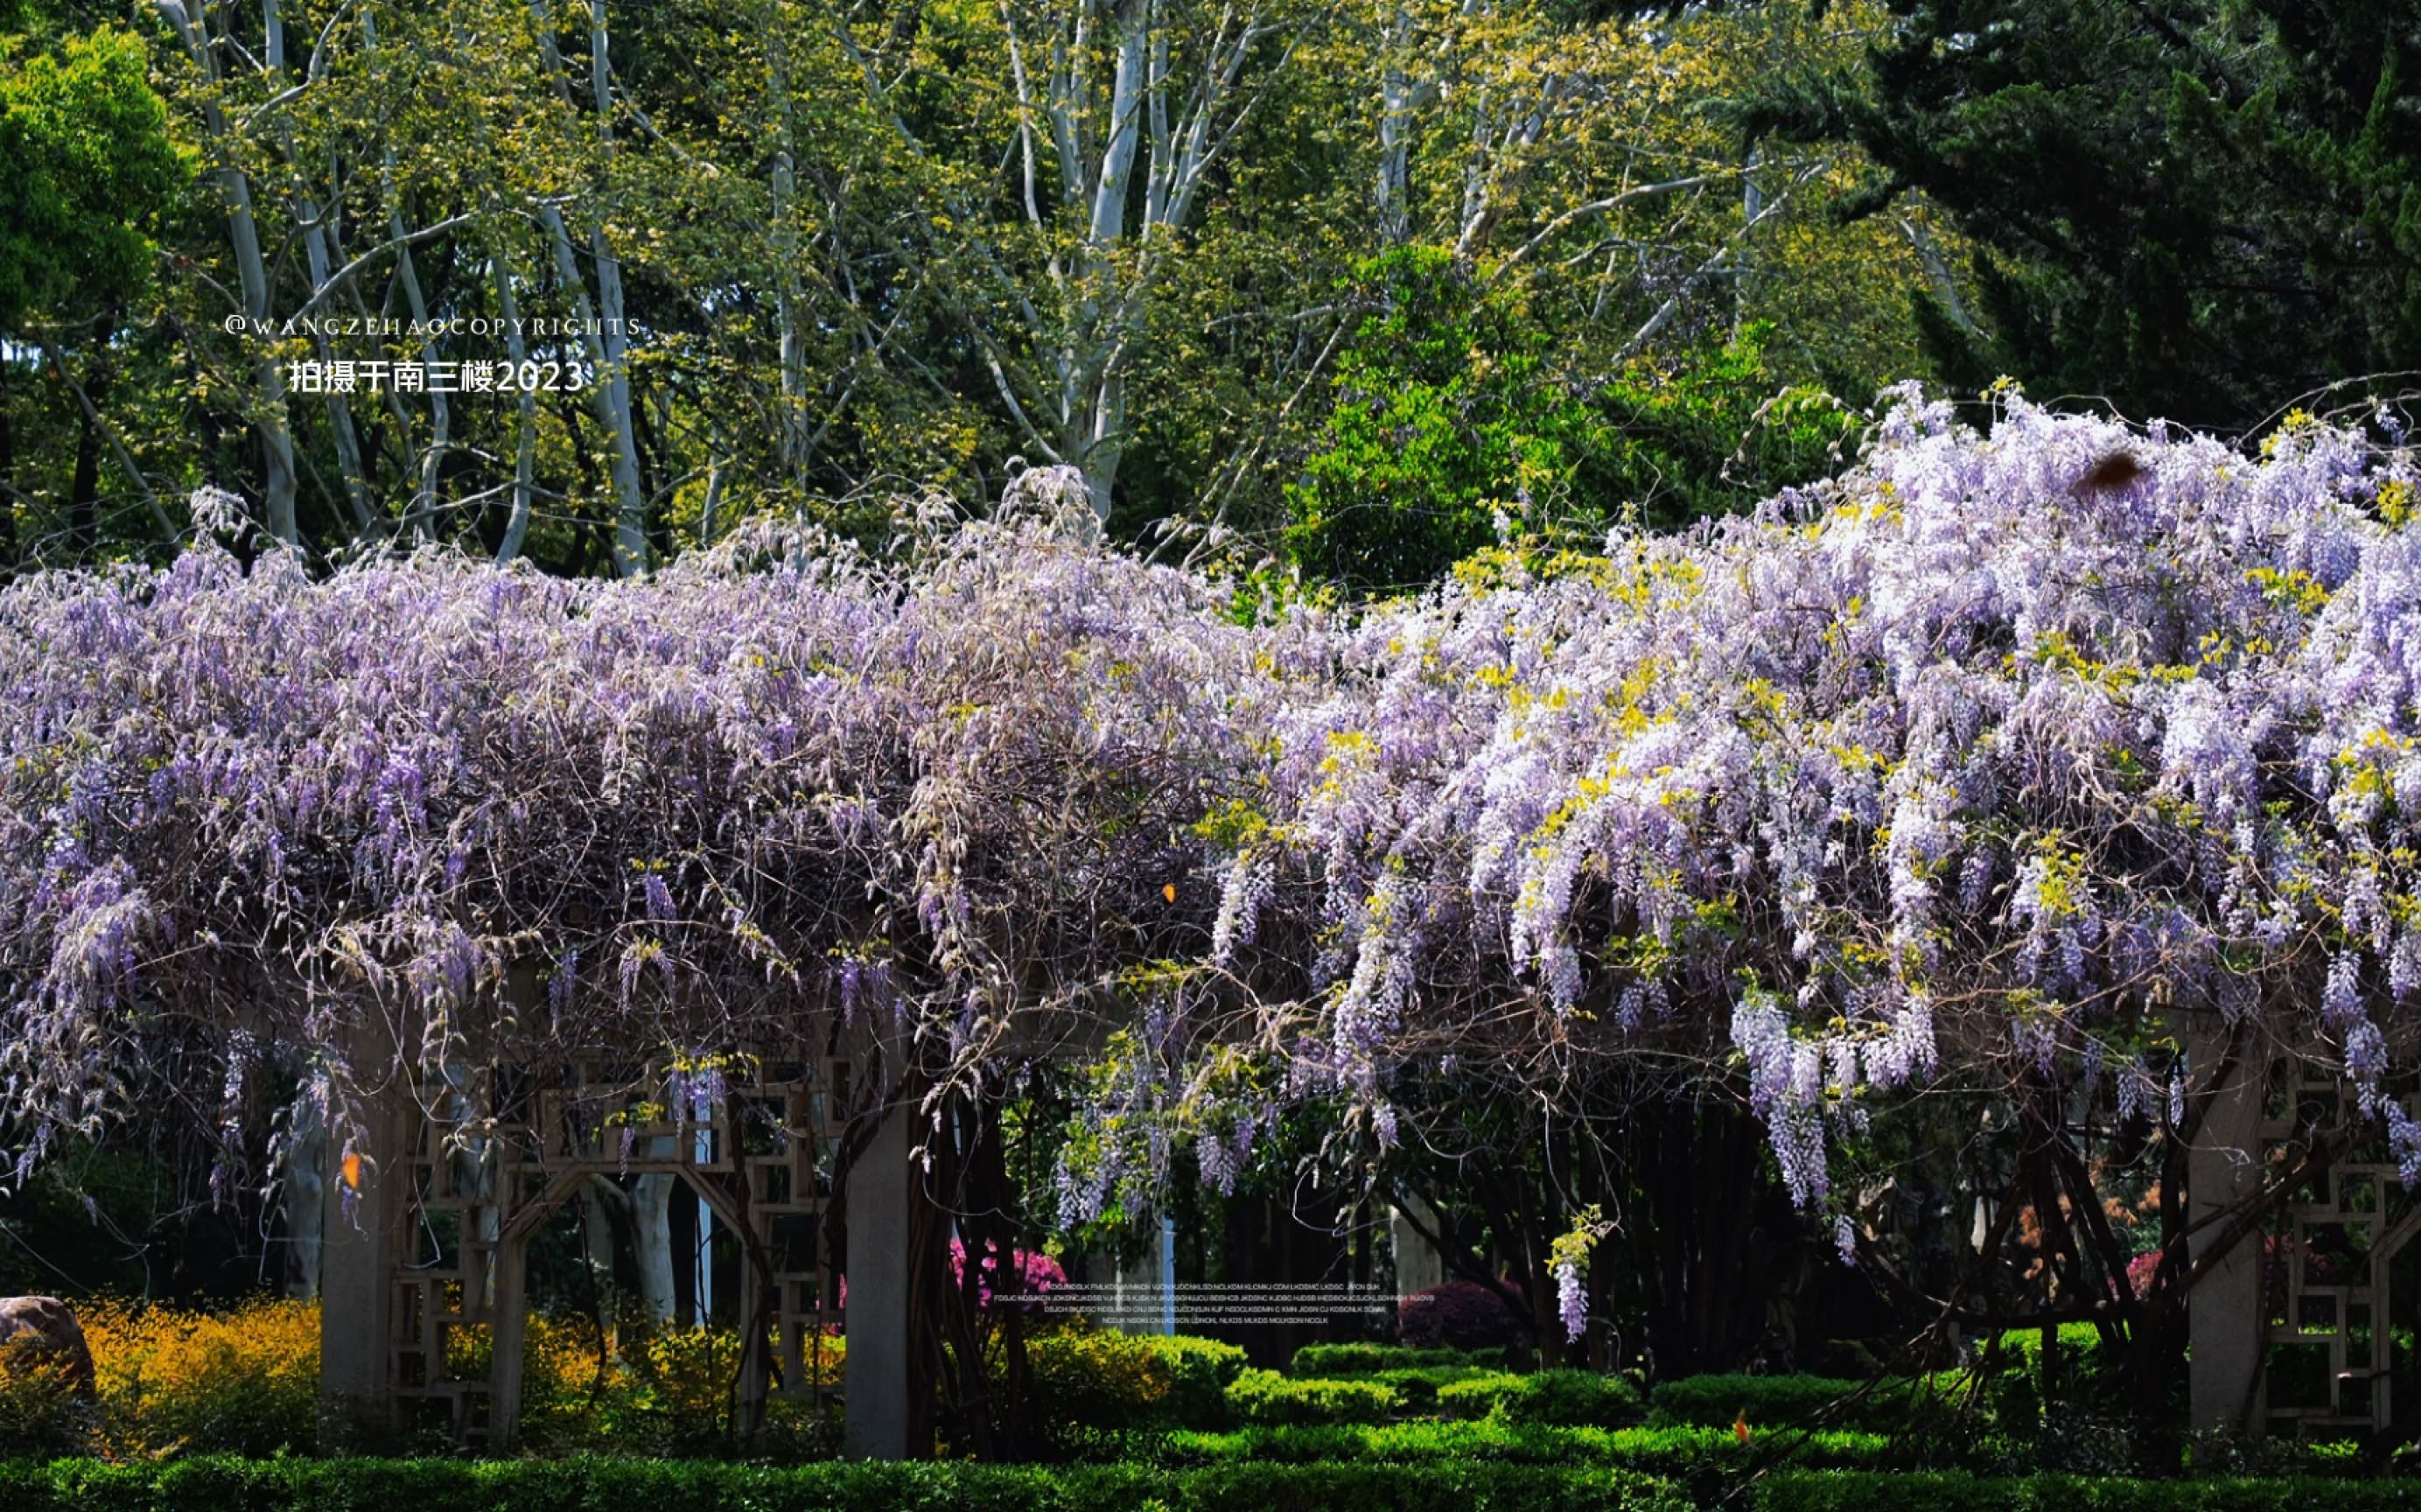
point(42, 1331)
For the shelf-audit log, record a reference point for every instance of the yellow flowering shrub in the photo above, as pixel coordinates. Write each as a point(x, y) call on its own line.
point(167, 1379)
point(1095, 1378)
point(36, 1415)
point(170, 1381)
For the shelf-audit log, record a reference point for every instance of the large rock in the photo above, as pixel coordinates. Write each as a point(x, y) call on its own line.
point(42, 1330)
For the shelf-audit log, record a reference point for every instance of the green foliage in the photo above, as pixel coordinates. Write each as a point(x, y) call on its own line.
point(2197, 211)
point(1709, 433)
point(225, 1484)
point(1099, 1379)
point(1443, 422)
point(1416, 1389)
point(70, 1225)
point(1266, 1396)
point(1453, 421)
point(85, 166)
point(1199, 1372)
point(2083, 1373)
point(1362, 1358)
point(1572, 1398)
point(1798, 1401)
point(1697, 1452)
point(1863, 1492)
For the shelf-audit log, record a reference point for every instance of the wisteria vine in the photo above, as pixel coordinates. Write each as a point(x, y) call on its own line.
point(1971, 762)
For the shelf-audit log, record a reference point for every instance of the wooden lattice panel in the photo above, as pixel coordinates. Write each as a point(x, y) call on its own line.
point(444, 1284)
point(2342, 1281)
point(756, 1138)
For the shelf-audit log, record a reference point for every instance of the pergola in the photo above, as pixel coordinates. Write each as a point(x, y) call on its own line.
point(428, 1222)
point(1955, 774)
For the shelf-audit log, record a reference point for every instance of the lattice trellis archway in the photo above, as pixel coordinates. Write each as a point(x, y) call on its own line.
point(488, 1154)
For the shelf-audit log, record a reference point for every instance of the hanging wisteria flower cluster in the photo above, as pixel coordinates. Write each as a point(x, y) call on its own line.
point(2028, 756)
point(1971, 762)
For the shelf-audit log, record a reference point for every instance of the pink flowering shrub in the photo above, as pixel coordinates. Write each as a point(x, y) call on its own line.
point(1035, 1273)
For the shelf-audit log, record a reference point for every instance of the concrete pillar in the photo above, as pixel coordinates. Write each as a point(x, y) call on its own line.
point(1168, 1277)
point(1418, 1263)
point(876, 1413)
point(363, 1199)
point(2223, 1319)
point(1145, 1298)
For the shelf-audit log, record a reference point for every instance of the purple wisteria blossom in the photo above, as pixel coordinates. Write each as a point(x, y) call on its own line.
point(1949, 766)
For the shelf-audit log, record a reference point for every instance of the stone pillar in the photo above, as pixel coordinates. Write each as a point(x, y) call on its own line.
point(2223, 1319)
point(1418, 1263)
point(1168, 1275)
point(363, 1199)
point(876, 1413)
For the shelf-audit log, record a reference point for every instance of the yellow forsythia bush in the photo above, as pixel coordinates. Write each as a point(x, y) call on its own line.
point(172, 1380)
point(169, 1379)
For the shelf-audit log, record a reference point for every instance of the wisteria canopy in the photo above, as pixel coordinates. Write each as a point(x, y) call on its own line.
point(1989, 760)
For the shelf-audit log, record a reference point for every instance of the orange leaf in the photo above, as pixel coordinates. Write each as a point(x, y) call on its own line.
point(1168, 890)
point(353, 1172)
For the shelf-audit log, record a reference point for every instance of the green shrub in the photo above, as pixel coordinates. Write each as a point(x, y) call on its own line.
point(1866, 1491)
point(209, 1484)
point(1694, 1453)
point(2085, 1378)
point(1199, 1373)
point(1364, 1359)
point(1266, 1396)
point(1478, 1396)
point(1894, 1406)
point(1417, 1390)
point(1096, 1379)
point(1573, 1398)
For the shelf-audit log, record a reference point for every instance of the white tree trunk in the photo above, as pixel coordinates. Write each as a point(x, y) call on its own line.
point(304, 1197)
point(651, 1198)
point(525, 450)
point(609, 390)
point(277, 490)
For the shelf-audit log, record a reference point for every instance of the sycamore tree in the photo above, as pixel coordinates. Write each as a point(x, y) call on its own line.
point(1598, 301)
point(819, 258)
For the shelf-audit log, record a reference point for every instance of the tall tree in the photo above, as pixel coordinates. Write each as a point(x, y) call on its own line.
point(2193, 209)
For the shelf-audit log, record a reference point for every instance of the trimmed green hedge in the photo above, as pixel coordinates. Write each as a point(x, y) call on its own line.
point(596, 1485)
point(1575, 1398)
point(1362, 1359)
point(1417, 1390)
point(1693, 1452)
point(1266, 1396)
point(1199, 1373)
point(1863, 1492)
point(1792, 1401)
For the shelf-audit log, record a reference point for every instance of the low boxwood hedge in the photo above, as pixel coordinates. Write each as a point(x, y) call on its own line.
point(211, 1484)
point(1866, 1491)
point(1362, 1359)
point(1267, 1398)
point(1693, 1452)
point(1575, 1399)
point(1891, 1406)
point(1417, 1390)
point(1199, 1373)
